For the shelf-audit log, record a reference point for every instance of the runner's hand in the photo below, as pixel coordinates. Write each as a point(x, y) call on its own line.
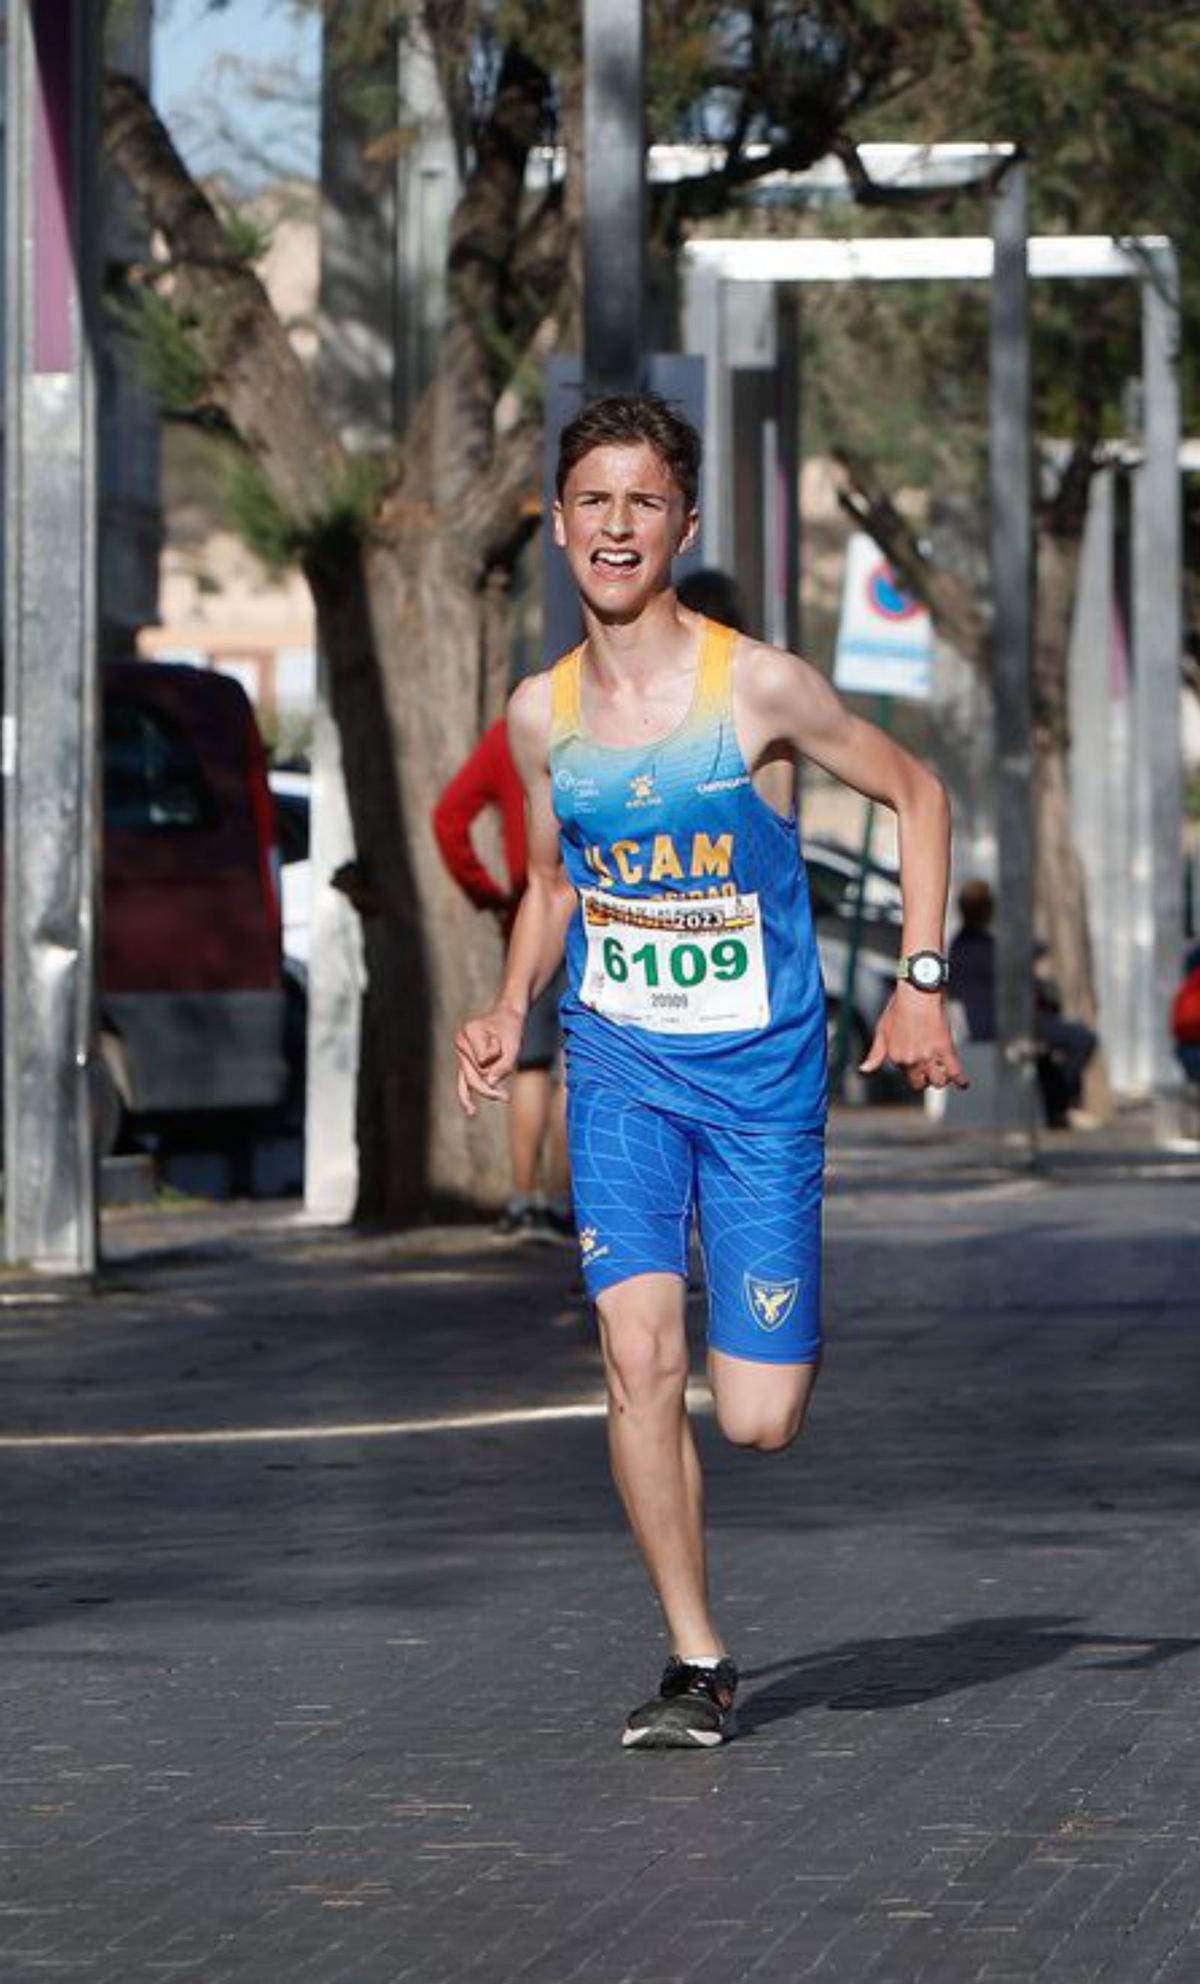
point(914, 1035)
point(487, 1051)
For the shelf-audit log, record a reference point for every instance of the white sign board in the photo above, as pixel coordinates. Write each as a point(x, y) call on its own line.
point(885, 638)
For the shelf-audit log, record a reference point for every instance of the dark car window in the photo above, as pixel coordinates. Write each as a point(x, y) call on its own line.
point(832, 893)
point(152, 777)
point(291, 818)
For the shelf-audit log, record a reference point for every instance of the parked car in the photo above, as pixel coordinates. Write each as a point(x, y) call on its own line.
point(874, 983)
point(191, 978)
point(833, 881)
point(291, 792)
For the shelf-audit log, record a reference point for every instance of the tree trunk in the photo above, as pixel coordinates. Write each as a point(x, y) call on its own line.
point(1060, 888)
point(402, 633)
point(434, 671)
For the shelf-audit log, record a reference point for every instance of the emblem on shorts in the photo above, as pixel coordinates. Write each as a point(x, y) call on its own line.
point(642, 789)
point(771, 1302)
point(589, 1245)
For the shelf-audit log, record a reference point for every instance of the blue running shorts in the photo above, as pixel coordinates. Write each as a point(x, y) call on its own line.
point(640, 1176)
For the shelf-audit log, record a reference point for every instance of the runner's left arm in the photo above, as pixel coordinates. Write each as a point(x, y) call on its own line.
point(788, 701)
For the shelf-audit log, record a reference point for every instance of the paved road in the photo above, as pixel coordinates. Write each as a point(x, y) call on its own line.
point(325, 1682)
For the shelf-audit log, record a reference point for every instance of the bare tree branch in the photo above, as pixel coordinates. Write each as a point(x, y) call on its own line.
point(483, 233)
point(254, 376)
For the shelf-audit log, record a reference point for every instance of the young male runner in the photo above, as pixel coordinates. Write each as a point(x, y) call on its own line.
point(659, 767)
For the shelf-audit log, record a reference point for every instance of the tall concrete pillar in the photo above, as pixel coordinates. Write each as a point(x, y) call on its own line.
point(1157, 645)
point(50, 635)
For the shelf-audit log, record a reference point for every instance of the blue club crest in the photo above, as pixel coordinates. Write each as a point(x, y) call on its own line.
point(770, 1302)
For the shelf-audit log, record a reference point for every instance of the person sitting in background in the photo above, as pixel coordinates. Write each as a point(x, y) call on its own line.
point(1064, 1046)
point(537, 1137)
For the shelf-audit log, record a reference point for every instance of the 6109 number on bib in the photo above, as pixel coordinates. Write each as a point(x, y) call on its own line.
point(676, 966)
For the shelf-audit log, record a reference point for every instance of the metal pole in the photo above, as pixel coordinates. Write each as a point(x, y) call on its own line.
point(791, 455)
point(1012, 656)
point(50, 628)
point(841, 1039)
point(614, 227)
point(1158, 640)
point(705, 336)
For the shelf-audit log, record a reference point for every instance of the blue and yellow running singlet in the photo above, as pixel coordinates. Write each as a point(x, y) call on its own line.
point(694, 984)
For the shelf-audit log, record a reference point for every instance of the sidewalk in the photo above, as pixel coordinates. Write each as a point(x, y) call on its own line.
point(321, 1622)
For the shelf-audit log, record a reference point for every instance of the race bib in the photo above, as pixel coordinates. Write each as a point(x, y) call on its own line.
point(676, 966)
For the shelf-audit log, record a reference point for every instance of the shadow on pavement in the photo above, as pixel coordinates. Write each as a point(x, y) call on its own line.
point(894, 1673)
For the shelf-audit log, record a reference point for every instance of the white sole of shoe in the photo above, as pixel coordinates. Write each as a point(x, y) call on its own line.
point(675, 1739)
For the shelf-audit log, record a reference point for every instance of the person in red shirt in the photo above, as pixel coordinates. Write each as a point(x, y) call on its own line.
point(1185, 1017)
point(536, 1117)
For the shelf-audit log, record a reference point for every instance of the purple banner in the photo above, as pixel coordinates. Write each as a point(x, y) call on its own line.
point(53, 207)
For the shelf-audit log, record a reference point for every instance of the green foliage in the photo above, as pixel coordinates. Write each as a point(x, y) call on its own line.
point(280, 539)
point(248, 238)
point(551, 35)
point(1105, 99)
point(167, 354)
point(258, 517)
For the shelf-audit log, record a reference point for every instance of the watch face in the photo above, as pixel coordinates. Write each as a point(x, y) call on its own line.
point(925, 970)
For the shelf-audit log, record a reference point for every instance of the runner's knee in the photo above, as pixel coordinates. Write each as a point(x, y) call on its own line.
point(644, 1358)
point(769, 1429)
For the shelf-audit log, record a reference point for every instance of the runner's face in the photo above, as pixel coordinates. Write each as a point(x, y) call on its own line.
point(621, 521)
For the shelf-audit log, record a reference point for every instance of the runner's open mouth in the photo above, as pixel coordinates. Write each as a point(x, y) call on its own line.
point(616, 562)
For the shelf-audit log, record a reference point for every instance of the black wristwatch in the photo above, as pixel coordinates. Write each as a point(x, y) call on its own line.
point(929, 971)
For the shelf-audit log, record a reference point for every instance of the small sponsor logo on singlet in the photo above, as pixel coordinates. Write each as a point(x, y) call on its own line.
point(642, 790)
point(723, 784)
point(566, 780)
point(771, 1302)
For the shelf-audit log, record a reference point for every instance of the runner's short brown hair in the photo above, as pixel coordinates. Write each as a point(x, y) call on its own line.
point(622, 420)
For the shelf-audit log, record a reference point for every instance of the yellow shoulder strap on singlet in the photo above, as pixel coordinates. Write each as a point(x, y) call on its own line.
point(565, 697)
point(713, 690)
point(715, 687)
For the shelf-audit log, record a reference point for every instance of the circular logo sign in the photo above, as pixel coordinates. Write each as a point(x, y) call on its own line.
point(887, 596)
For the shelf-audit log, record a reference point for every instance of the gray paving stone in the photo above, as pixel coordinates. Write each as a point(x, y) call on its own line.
point(343, 1707)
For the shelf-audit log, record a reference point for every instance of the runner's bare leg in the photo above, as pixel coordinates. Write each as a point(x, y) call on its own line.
point(654, 1460)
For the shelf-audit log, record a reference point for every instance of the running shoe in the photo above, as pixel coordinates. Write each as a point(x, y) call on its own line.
point(558, 1223)
point(693, 1709)
point(520, 1220)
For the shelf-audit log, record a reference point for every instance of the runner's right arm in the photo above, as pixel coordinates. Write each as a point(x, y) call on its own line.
point(487, 1047)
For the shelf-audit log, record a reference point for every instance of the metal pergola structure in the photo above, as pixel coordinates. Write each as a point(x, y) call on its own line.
point(718, 270)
